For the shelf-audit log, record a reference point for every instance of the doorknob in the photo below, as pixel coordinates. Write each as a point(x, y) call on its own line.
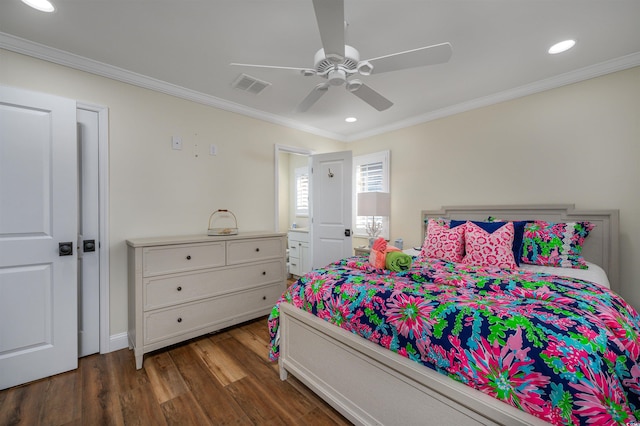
point(347, 232)
point(65, 249)
point(89, 246)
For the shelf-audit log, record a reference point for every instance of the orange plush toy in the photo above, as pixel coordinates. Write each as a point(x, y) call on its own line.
point(379, 251)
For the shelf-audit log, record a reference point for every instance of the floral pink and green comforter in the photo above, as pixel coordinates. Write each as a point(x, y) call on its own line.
point(562, 349)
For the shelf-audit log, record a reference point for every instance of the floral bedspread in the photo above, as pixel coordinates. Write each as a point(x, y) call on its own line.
point(562, 349)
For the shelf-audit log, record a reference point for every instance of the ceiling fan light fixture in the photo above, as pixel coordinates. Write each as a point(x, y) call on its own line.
point(365, 68)
point(41, 5)
point(562, 46)
point(336, 77)
point(354, 85)
point(350, 119)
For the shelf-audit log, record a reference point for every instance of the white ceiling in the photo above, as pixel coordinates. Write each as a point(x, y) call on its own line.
point(185, 48)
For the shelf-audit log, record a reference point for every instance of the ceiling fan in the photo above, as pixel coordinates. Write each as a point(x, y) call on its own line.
point(337, 62)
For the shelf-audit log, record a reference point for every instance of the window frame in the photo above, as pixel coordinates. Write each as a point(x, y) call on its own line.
point(358, 161)
point(301, 172)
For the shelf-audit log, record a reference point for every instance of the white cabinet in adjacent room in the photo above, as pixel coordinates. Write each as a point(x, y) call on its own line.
point(299, 252)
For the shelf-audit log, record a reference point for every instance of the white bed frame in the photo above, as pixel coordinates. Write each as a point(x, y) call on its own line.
point(370, 385)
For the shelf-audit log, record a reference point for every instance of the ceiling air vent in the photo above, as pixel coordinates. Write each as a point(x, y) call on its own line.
point(250, 84)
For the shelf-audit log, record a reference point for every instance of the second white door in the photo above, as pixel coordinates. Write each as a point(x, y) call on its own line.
point(330, 207)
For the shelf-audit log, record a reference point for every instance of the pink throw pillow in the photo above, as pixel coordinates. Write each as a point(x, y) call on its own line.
point(442, 242)
point(489, 249)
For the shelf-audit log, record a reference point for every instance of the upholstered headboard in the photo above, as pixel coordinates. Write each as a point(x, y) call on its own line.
point(600, 247)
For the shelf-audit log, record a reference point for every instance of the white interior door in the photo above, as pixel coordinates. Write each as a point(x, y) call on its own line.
point(38, 223)
point(331, 207)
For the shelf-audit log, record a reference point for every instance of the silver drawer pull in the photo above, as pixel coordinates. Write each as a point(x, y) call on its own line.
point(179, 319)
point(189, 257)
point(179, 288)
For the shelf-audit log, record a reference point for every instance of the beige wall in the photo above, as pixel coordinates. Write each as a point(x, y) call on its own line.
point(578, 144)
point(155, 190)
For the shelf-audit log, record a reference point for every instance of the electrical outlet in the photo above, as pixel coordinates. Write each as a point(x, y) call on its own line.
point(176, 142)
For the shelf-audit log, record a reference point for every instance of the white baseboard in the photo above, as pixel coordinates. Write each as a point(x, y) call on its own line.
point(118, 341)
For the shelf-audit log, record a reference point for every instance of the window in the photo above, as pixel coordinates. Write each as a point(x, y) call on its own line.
point(302, 191)
point(370, 173)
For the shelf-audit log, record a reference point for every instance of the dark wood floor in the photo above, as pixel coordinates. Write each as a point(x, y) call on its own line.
point(218, 379)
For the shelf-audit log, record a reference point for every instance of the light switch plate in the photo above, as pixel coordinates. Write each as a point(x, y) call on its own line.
point(176, 142)
point(213, 150)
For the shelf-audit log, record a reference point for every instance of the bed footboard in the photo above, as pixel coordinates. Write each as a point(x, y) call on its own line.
point(371, 385)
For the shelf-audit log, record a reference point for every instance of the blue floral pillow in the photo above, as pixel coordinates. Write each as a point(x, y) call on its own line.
point(555, 244)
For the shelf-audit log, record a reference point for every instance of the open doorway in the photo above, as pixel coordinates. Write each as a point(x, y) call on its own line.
point(288, 161)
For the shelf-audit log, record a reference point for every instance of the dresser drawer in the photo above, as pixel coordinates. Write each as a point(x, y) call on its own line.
point(167, 323)
point(163, 291)
point(182, 257)
point(243, 251)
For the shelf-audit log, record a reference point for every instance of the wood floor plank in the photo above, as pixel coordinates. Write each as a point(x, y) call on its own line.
point(62, 399)
point(318, 417)
point(184, 410)
point(122, 368)
point(252, 342)
point(23, 404)
point(100, 404)
point(255, 401)
point(140, 407)
point(217, 404)
point(260, 328)
point(287, 402)
point(327, 410)
point(221, 365)
point(165, 379)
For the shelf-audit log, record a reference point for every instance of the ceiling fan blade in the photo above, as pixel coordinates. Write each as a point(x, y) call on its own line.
point(428, 55)
point(372, 97)
point(313, 97)
point(271, 66)
point(330, 17)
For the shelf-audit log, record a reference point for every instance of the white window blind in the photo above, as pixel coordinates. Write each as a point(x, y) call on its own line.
point(370, 173)
point(302, 191)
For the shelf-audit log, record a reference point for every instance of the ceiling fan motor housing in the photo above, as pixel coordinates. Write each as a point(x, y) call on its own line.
point(349, 64)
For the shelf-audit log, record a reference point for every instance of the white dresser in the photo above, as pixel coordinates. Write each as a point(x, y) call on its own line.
point(185, 286)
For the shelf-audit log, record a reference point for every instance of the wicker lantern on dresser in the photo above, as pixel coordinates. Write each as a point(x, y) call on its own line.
point(185, 286)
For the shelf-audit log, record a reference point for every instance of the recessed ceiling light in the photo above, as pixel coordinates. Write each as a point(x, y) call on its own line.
point(563, 46)
point(350, 119)
point(41, 5)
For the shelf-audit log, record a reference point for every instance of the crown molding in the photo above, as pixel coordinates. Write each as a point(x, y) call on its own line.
point(60, 57)
point(592, 71)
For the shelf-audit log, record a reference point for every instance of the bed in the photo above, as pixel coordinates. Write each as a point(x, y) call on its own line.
point(371, 384)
